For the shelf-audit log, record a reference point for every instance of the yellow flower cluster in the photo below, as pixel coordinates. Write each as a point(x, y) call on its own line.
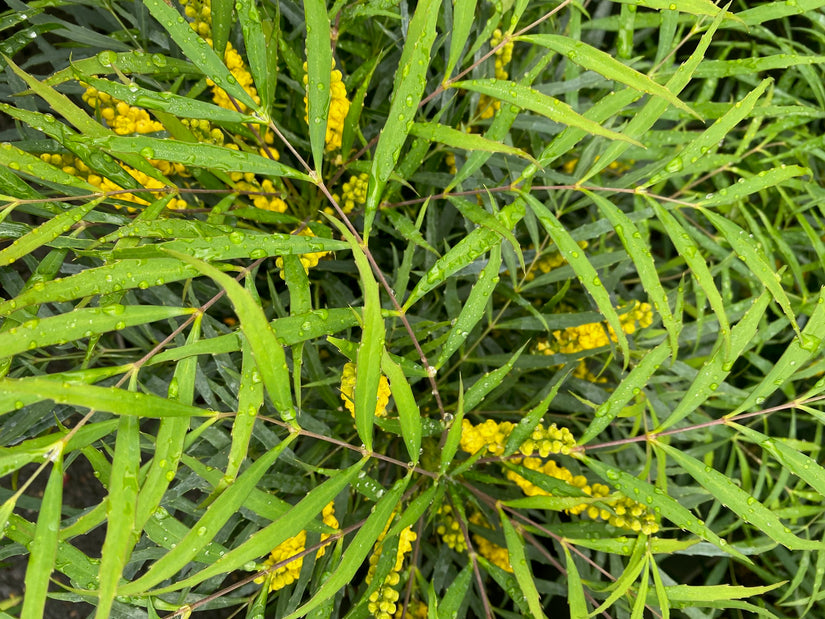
point(493, 435)
point(289, 573)
point(262, 193)
point(551, 469)
point(491, 551)
point(383, 601)
point(487, 105)
point(595, 334)
point(582, 372)
point(338, 107)
point(544, 441)
point(503, 55)
point(450, 530)
point(74, 166)
point(615, 166)
point(234, 62)
point(204, 131)
point(415, 610)
point(348, 391)
point(548, 262)
point(449, 159)
point(121, 117)
point(200, 12)
point(626, 513)
point(353, 193)
point(307, 260)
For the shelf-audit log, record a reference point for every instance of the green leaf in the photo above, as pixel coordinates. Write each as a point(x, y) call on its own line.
point(637, 562)
point(45, 233)
point(640, 253)
point(204, 530)
point(454, 430)
point(269, 354)
point(524, 428)
point(473, 308)
point(108, 62)
point(521, 569)
point(358, 549)
point(257, 46)
point(713, 135)
point(747, 186)
point(694, 7)
point(718, 367)
point(221, 18)
point(748, 508)
point(169, 102)
point(236, 245)
point(777, 10)
point(641, 596)
point(121, 535)
point(109, 399)
point(466, 141)
point(581, 266)
point(454, 595)
point(604, 64)
point(82, 323)
point(171, 436)
point(668, 507)
point(89, 127)
point(464, 17)
point(200, 155)
point(14, 458)
point(645, 118)
point(487, 382)
point(410, 81)
point(465, 252)
point(479, 216)
point(250, 400)
point(319, 63)
point(630, 385)
point(535, 101)
point(197, 50)
point(713, 593)
point(43, 550)
point(286, 526)
point(409, 414)
point(689, 251)
point(371, 347)
point(752, 255)
point(115, 277)
point(575, 590)
point(661, 591)
point(804, 467)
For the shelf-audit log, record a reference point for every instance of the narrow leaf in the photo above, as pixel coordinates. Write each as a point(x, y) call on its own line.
point(606, 65)
point(722, 488)
point(535, 101)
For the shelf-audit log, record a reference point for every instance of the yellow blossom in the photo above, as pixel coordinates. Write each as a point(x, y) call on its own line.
point(597, 334)
point(450, 530)
point(544, 440)
point(491, 551)
point(289, 573)
point(348, 391)
point(338, 108)
point(353, 193)
point(383, 601)
point(121, 117)
point(307, 260)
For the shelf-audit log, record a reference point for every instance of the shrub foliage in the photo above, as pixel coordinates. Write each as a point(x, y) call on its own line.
point(435, 309)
